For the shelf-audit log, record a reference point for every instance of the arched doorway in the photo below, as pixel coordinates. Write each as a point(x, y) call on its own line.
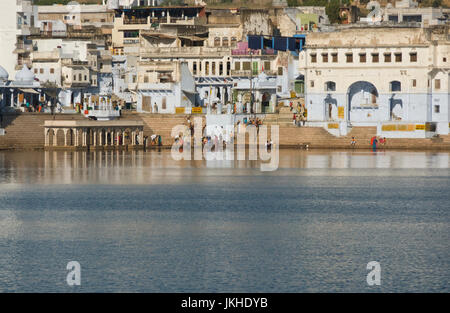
point(331, 108)
point(362, 101)
point(265, 101)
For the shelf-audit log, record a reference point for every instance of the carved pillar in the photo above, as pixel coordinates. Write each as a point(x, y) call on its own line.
point(65, 130)
point(55, 136)
point(84, 137)
point(141, 137)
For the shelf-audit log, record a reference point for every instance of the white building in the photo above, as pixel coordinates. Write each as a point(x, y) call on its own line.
point(17, 21)
point(379, 76)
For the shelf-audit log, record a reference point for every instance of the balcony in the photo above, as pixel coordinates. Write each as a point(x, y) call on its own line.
point(185, 51)
point(23, 48)
point(155, 86)
point(135, 21)
point(46, 55)
point(247, 73)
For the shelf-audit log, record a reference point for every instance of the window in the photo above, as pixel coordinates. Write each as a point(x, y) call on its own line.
point(220, 68)
point(398, 57)
point(267, 65)
point(74, 77)
point(395, 86)
point(311, 83)
point(131, 34)
point(85, 78)
point(280, 70)
point(334, 57)
point(79, 77)
point(164, 103)
point(437, 109)
point(362, 58)
point(145, 79)
point(414, 83)
point(437, 84)
point(313, 58)
point(375, 58)
point(194, 68)
point(246, 66)
point(324, 57)
point(52, 71)
point(444, 59)
point(233, 41)
point(237, 66)
point(41, 71)
point(35, 71)
point(225, 41)
point(330, 86)
point(413, 57)
point(349, 57)
point(213, 68)
point(216, 41)
point(387, 57)
point(206, 68)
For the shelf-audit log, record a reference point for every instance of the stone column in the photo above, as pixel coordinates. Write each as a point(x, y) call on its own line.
point(55, 136)
point(117, 137)
point(141, 137)
point(65, 136)
point(84, 143)
point(100, 138)
point(95, 138)
point(123, 138)
point(133, 138)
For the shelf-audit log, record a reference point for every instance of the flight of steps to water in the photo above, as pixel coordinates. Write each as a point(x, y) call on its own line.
point(26, 130)
point(160, 124)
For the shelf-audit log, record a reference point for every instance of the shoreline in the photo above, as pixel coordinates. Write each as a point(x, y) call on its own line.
point(25, 131)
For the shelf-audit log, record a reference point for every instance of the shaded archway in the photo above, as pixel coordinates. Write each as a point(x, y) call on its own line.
point(331, 108)
point(362, 95)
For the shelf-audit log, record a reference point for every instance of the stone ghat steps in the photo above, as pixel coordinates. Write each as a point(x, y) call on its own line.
point(317, 137)
point(160, 124)
point(26, 130)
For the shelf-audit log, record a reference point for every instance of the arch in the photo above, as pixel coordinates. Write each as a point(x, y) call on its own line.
point(70, 137)
point(331, 108)
point(50, 136)
point(265, 101)
point(361, 95)
point(59, 134)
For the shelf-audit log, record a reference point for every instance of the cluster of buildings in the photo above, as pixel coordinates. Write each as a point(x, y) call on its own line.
point(389, 69)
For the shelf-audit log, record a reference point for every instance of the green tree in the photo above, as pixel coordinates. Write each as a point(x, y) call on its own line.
point(332, 10)
point(436, 3)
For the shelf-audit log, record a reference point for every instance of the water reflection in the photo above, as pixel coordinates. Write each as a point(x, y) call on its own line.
point(135, 167)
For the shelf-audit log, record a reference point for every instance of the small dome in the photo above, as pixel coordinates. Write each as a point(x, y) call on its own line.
point(3, 74)
point(25, 75)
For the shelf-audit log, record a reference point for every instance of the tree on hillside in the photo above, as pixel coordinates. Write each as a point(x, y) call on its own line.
point(332, 10)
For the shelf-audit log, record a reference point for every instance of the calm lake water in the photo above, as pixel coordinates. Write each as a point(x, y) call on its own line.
point(142, 222)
